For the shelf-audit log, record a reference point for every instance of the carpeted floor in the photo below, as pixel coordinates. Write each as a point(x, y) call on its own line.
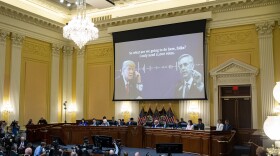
point(149, 151)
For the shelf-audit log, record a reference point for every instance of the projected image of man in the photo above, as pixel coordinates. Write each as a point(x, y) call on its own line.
point(129, 85)
point(191, 86)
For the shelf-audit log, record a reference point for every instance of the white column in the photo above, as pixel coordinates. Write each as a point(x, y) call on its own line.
point(67, 77)
point(3, 36)
point(266, 67)
point(54, 83)
point(80, 84)
point(15, 75)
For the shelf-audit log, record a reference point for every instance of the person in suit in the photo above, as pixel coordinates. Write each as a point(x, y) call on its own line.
point(156, 124)
point(220, 125)
point(13, 151)
point(227, 126)
point(191, 85)
point(130, 122)
point(199, 125)
point(83, 122)
point(105, 123)
point(128, 85)
point(42, 121)
point(22, 144)
point(94, 123)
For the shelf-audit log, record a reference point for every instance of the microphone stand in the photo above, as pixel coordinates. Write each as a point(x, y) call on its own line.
point(65, 108)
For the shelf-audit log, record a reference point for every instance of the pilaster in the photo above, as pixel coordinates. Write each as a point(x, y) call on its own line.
point(17, 41)
point(55, 83)
point(67, 77)
point(80, 83)
point(265, 32)
point(3, 37)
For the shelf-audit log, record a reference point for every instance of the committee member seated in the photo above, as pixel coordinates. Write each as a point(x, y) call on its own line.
point(220, 125)
point(131, 122)
point(94, 122)
point(227, 126)
point(42, 121)
point(156, 124)
point(30, 122)
point(105, 123)
point(190, 125)
point(199, 125)
point(83, 122)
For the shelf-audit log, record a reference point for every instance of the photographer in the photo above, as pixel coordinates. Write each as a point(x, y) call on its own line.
point(15, 127)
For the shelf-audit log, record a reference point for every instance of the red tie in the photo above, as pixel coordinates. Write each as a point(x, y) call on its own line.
point(127, 89)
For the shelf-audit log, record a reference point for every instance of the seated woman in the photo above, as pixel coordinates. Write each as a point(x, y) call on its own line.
point(190, 125)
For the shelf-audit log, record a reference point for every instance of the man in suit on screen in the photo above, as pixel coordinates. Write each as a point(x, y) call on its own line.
point(191, 86)
point(128, 85)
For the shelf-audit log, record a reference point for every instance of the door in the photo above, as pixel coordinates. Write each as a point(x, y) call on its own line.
point(236, 106)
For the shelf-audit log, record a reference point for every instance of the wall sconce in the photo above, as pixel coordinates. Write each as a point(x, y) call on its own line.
point(72, 108)
point(7, 108)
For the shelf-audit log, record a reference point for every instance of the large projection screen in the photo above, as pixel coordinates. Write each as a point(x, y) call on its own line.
point(160, 63)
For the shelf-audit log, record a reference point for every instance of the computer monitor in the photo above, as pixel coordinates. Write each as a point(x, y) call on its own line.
point(102, 141)
point(169, 148)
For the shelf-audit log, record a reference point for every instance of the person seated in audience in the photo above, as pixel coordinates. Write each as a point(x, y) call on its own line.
point(13, 151)
point(28, 151)
point(42, 121)
point(199, 125)
point(156, 124)
point(105, 123)
point(137, 154)
point(1, 151)
point(94, 123)
point(220, 125)
point(40, 149)
point(227, 126)
point(131, 122)
point(22, 143)
point(83, 122)
point(30, 122)
point(190, 125)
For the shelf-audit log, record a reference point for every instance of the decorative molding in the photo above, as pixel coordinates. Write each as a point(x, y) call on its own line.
point(80, 52)
point(231, 38)
point(67, 51)
point(56, 49)
point(4, 35)
point(213, 6)
point(22, 15)
point(234, 72)
point(102, 52)
point(17, 39)
point(265, 28)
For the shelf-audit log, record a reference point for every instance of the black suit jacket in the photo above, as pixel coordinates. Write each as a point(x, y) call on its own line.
point(192, 93)
point(120, 91)
point(227, 127)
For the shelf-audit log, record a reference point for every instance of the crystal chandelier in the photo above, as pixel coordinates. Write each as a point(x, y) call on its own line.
point(80, 29)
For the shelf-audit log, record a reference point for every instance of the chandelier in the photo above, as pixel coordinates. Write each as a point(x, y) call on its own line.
point(80, 29)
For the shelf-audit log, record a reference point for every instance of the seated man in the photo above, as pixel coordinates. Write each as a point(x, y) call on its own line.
point(131, 122)
point(94, 123)
point(22, 143)
point(199, 125)
point(156, 124)
point(42, 121)
point(83, 122)
point(40, 149)
point(227, 126)
point(105, 123)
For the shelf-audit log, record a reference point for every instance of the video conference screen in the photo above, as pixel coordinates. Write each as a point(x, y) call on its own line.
point(160, 63)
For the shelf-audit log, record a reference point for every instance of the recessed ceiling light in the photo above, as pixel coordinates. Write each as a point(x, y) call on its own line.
point(68, 4)
point(61, 1)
